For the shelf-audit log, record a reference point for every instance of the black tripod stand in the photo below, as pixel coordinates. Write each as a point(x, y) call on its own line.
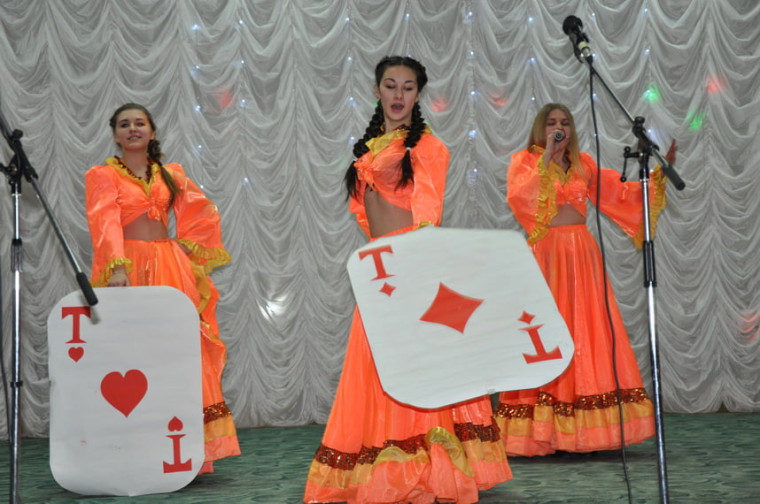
point(573, 27)
point(19, 166)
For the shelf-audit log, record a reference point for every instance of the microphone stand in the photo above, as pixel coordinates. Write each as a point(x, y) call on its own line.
point(18, 166)
point(647, 148)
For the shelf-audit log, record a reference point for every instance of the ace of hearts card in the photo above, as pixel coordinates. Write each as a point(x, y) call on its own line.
point(126, 412)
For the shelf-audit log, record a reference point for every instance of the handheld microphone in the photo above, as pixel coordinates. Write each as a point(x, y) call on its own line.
point(559, 135)
point(573, 28)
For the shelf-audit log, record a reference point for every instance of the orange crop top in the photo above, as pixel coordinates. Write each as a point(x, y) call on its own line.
point(380, 169)
point(534, 191)
point(114, 199)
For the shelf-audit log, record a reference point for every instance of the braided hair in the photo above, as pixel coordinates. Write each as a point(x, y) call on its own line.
point(377, 122)
point(154, 146)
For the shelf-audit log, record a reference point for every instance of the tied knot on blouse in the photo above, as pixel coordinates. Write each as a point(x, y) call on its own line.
point(386, 175)
point(154, 212)
point(154, 202)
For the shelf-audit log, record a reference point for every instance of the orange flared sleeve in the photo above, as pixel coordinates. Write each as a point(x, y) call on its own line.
point(622, 201)
point(529, 193)
point(430, 161)
point(198, 223)
point(102, 197)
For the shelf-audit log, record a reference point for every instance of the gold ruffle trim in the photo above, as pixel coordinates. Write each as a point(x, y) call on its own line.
point(112, 161)
point(656, 206)
point(453, 446)
point(546, 205)
point(379, 143)
point(209, 258)
point(105, 274)
point(412, 448)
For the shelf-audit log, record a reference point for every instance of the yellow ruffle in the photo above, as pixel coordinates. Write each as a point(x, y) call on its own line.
point(452, 445)
point(112, 161)
point(361, 474)
point(546, 204)
point(208, 258)
point(105, 275)
point(656, 206)
point(378, 144)
point(204, 288)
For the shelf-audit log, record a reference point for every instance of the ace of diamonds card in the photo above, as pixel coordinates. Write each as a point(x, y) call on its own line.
point(126, 414)
point(453, 314)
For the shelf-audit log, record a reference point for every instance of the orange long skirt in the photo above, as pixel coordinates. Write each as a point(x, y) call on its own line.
point(163, 262)
point(578, 411)
point(377, 450)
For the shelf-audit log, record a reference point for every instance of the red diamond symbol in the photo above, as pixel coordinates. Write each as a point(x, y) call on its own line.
point(526, 317)
point(387, 289)
point(451, 308)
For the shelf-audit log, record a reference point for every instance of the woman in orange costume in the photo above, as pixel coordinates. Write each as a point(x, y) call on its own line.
point(128, 202)
point(374, 449)
point(548, 185)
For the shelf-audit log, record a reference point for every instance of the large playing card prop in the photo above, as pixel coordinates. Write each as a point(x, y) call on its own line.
point(126, 412)
point(453, 314)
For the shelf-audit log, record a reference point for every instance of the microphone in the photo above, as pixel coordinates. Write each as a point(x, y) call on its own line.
point(559, 135)
point(573, 27)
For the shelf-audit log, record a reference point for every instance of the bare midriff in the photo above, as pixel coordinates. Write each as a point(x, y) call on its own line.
point(567, 216)
point(383, 216)
point(145, 229)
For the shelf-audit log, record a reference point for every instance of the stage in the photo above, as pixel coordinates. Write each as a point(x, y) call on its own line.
point(711, 458)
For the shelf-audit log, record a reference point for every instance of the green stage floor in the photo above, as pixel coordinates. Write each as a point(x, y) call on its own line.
point(711, 459)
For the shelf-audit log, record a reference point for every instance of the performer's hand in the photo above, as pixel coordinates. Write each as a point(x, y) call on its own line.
point(555, 150)
point(670, 157)
point(118, 277)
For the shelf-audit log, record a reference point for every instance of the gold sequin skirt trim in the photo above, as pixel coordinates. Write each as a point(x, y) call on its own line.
point(586, 403)
point(369, 454)
point(215, 412)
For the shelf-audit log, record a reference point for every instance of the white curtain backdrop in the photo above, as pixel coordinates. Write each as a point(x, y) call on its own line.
point(261, 101)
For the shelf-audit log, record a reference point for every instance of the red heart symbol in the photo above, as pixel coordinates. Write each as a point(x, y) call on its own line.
point(124, 392)
point(175, 424)
point(76, 353)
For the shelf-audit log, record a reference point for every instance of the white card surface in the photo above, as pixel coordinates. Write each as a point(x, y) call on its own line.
point(126, 412)
point(454, 314)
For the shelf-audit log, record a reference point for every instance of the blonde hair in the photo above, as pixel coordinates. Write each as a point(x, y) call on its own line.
point(538, 132)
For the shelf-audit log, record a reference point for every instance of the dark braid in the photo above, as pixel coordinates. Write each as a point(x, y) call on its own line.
point(378, 120)
point(360, 147)
point(412, 137)
point(154, 147)
point(155, 154)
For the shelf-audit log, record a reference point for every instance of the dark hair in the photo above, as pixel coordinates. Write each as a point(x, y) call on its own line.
point(154, 146)
point(378, 120)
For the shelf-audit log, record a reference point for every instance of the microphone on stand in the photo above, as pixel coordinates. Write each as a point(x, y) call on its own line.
point(573, 27)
